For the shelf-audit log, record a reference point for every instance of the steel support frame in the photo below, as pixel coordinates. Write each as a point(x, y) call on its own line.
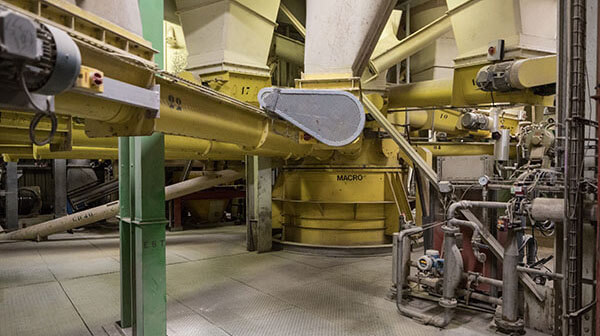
point(258, 204)
point(142, 233)
point(573, 166)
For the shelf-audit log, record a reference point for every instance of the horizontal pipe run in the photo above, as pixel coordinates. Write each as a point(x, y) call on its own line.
point(473, 204)
point(430, 282)
point(440, 321)
point(109, 210)
point(480, 297)
point(534, 271)
point(481, 279)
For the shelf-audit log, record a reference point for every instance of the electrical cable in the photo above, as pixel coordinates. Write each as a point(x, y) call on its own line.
point(39, 114)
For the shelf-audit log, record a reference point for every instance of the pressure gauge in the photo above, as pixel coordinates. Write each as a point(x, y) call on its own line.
point(484, 180)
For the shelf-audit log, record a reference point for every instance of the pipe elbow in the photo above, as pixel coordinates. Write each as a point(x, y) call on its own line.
point(440, 320)
point(457, 205)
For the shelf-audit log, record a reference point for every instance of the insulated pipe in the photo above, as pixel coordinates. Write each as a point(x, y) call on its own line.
point(425, 318)
point(475, 238)
point(476, 277)
point(112, 209)
point(473, 204)
point(453, 268)
point(481, 297)
point(402, 271)
point(510, 320)
point(430, 282)
point(543, 209)
point(403, 264)
point(403, 259)
point(540, 272)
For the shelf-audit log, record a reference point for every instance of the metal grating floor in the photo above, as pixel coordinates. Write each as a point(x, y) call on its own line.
point(70, 286)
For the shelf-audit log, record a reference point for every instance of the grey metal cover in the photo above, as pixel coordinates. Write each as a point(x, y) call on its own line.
point(333, 117)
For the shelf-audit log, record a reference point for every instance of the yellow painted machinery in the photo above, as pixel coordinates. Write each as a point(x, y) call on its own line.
point(351, 195)
point(348, 200)
point(424, 153)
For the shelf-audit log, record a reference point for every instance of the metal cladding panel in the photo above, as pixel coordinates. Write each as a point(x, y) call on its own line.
point(335, 118)
point(515, 21)
point(228, 35)
point(464, 168)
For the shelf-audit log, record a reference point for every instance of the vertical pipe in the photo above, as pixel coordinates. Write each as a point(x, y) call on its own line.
point(560, 242)
point(510, 280)
point(453, 267)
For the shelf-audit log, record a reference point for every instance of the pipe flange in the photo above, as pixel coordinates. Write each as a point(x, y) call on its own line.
point(447, 229)
point(448, 303)
point(504, 326)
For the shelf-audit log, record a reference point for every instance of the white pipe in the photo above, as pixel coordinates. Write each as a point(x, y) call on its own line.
point(112, 209)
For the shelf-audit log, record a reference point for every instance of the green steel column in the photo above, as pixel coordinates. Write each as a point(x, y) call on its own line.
point(147, 266)
point(153, 13)
point(149, 226)
point(125, 231)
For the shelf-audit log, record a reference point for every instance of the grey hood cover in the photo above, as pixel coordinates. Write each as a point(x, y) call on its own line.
point(334, 117)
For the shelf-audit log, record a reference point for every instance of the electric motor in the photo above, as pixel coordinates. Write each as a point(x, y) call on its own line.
point(47, 58)
point(475, 121)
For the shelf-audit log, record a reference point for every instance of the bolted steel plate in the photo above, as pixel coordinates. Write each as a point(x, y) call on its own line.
point(334, 117)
